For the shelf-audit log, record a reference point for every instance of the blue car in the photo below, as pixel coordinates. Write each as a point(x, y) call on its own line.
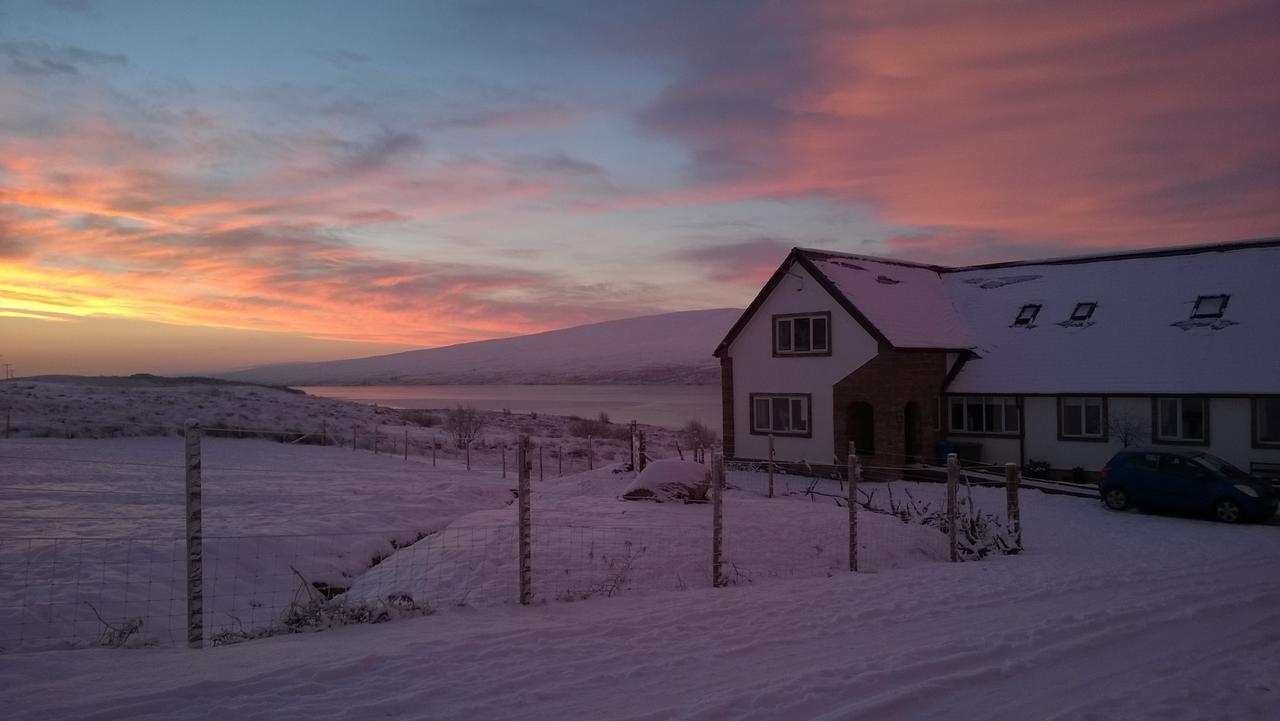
point(1185, 482)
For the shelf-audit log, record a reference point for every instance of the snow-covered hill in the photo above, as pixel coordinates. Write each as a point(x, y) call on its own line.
point(669, 348)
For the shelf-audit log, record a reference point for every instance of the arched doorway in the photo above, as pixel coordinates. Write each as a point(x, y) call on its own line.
point(911, 433)
point(861, 420)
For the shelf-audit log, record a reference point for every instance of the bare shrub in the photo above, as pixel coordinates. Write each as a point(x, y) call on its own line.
point(420, 418)
point(697, 434)
point(1129, 429)
point(464, 424)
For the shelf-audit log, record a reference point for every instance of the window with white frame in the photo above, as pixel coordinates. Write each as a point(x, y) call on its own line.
point(984, 414)
point(780, 414)
point(1082, 418)
point(1266, 423)
point(802, 334)
point(1182, 420)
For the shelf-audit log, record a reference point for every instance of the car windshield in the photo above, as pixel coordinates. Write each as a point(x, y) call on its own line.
point(1221, 468)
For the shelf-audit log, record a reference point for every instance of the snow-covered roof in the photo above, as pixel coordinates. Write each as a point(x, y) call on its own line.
point(1140, 339)
point(906, 302)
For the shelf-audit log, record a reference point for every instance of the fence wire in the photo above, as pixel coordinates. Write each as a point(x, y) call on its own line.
point(97, 558)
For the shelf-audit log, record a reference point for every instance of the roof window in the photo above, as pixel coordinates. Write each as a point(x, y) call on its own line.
point(1210, 306)
point(1083, 311)
point(1026, 316)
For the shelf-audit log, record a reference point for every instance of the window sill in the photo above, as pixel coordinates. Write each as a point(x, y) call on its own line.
point(1082, 439)
point(985, 434)
point(803, 354)
point(783, 434)
point(1174, 442)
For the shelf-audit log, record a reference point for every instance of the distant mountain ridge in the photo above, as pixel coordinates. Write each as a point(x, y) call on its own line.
point(671, 348)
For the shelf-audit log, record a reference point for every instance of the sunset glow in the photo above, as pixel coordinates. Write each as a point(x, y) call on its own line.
point(426, 174)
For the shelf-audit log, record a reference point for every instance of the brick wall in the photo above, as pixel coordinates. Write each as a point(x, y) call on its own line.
point(888, 382)
point(726, 403)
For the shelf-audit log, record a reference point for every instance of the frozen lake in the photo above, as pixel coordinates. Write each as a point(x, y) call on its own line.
point(667, 406)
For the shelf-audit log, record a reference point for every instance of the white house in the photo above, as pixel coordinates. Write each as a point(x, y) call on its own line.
point(1060, 360)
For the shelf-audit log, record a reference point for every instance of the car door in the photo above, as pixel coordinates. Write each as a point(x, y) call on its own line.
point(1141, 478)
point(1184, 483)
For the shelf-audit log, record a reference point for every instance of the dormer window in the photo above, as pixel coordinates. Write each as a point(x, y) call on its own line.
point(1210, 306)
point(802, 334)
point(1026, 316)
point(1083, 311)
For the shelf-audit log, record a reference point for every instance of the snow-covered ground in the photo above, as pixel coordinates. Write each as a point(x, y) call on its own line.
point(94, 536)
point(1104, 616)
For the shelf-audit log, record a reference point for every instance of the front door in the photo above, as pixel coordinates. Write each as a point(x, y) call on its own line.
point(861, 420)
point(911, 433)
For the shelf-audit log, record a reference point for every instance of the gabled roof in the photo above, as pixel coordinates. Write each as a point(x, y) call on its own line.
point(1140, 340)
point(888, 298)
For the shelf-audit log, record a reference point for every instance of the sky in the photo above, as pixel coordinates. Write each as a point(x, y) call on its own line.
point(199, 186)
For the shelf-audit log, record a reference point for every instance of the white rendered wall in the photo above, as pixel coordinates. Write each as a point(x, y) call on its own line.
point(1230, 433)
point(755, 370)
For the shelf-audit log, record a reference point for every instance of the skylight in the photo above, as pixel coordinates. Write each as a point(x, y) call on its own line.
point(1083, 311)
point(1210, 306)
point(1026, 316)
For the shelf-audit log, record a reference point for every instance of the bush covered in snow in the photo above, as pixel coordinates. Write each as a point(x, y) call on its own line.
point(668, 480)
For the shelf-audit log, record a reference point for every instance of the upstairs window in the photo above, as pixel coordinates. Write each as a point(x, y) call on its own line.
point(1210, 306)
point(1182, 420)
point(802, 334)
point(783, 414)
point(984, 414)
point(1083, 311)
point(1026, 316)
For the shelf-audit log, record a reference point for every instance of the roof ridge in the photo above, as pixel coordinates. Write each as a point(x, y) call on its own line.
point(1122, 254)
point(873, 259)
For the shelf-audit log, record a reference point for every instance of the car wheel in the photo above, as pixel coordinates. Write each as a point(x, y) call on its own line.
point(1115, 498)
point(1228, 511)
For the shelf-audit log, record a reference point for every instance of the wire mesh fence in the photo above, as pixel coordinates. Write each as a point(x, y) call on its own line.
point(97, 556)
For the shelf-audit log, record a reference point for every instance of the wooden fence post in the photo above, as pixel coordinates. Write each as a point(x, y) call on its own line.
point(468, 455)
point(953, 482)
point(1012, 478)
point(855, 475)
point(541, 477)
point(406, 444)
point(771, 456)
point(717, 520)
point(632, 447)
point(195, 540)
point(640, 453)
point(434, 445)
point(590, 454)
point(526, 553)
point(353, 439)
point(504, 461)
point(559, 459)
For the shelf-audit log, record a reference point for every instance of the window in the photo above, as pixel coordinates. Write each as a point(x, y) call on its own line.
point(1210, 306)
point(1026, 316)
point(1266, 421)
point(780, 414)
point(1083, 311)
point(1083, 418)
point(984, 414)
point(1182, 420)
point(802, 334)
